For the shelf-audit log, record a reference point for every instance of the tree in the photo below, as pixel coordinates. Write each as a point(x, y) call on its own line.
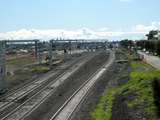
point(152, 34)
point(127, 43)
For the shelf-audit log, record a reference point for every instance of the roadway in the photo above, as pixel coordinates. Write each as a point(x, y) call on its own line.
point(150, 59)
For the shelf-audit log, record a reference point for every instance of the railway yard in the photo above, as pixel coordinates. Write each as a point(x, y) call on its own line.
point(80, 85)
point(57, 93)
point(79, 60)
point(58, 89)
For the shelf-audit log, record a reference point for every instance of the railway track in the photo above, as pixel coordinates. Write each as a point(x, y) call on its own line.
point(39, 80)
point(67, 109)
point(40, 93)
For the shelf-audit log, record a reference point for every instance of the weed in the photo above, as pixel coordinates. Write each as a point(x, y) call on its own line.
point(140, 83)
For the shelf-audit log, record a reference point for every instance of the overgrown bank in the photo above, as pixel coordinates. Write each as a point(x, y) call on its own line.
point(133, 100)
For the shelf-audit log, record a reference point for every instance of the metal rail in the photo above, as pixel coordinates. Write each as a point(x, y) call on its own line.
point(20, 93)
point(68, 108)
point(38, 98)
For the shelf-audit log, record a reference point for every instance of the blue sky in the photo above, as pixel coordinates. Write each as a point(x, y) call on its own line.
point(113, 15)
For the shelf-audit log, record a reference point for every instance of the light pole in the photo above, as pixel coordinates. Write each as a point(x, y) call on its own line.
point(2, 67)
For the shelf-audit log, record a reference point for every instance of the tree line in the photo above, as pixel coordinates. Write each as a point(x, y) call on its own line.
point(152, 44)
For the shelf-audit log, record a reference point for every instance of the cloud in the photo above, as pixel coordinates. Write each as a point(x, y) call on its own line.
point(137, 31)
point(146, 28)
point(83, 33)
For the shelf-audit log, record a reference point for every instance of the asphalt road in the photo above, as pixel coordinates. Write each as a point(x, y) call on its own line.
point(152, 60)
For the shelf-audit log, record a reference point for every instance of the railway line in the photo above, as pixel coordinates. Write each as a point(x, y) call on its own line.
point(36, 96)
point(42, 79)
point(67, 109)
point(35, 92)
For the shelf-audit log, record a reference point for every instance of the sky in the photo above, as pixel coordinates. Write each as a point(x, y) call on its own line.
point(76, 19)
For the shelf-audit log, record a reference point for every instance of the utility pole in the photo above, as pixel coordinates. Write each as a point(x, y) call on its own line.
point(39, 50)
point(2, 67)
point(50, 52)
point(36, 50)
point(70, 47)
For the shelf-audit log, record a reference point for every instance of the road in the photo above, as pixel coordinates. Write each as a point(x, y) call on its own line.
point(152, 60)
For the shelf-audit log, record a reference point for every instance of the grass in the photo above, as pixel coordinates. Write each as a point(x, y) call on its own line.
point(140, 84)
point(104, 108)
point(40, 69)
point(20, 61)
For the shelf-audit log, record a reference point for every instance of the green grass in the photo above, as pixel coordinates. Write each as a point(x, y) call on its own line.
point(20, 61)
point(40, 69)
point(141, 66)
point(140, 84)
point(104, 108)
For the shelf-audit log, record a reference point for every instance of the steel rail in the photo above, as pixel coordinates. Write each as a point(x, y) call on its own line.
point(68, 108)
point(47, 90)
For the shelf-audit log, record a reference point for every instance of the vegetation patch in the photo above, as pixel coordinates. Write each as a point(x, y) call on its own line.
point(40, 69)
point(104, 108)
point(20, 61)
point(140, 84)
